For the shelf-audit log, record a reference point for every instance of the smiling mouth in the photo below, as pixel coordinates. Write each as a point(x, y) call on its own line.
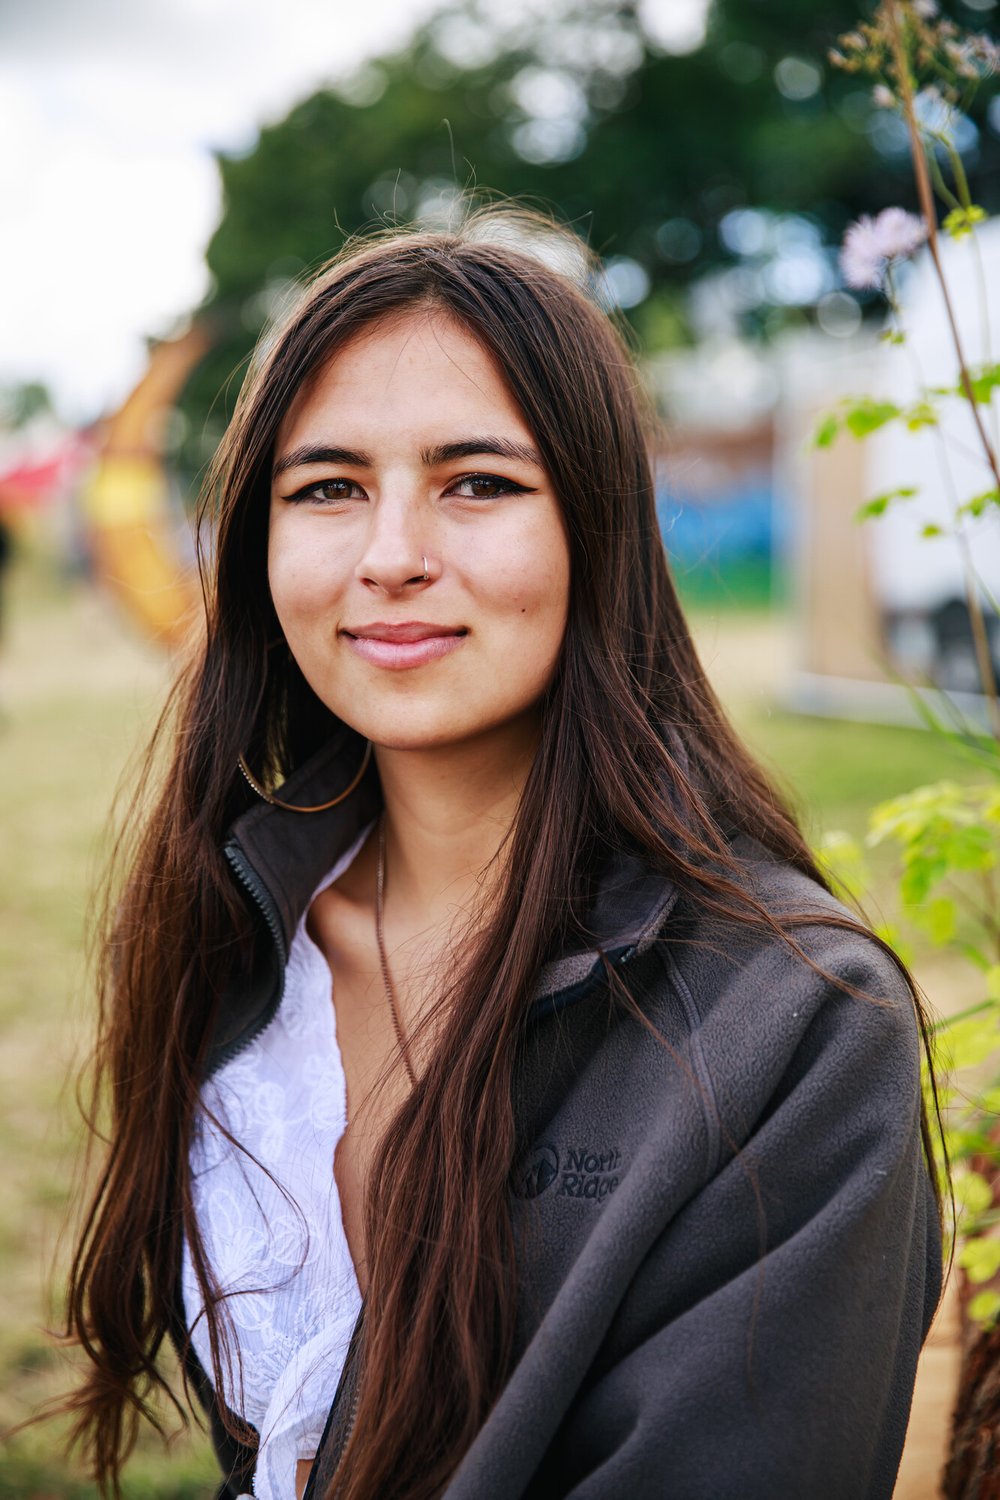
point(398, 647)
point(404, 630)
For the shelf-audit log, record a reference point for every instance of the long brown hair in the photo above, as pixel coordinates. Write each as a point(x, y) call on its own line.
point(633, 740)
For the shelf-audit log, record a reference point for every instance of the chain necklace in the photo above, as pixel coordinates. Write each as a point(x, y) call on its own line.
point(379, 888)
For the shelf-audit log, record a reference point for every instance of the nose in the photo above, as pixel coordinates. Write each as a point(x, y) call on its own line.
point(395, 555)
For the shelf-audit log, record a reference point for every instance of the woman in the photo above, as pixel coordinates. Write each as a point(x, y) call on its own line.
point(501, 1105)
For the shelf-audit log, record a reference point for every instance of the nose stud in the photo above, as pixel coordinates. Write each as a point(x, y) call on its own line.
point(426, 574)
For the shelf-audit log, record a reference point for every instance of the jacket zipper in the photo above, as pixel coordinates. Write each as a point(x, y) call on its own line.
point(351, 1418)
point(345, 1372)
point(349, 1358)
point(264, 902)
point(261, 896)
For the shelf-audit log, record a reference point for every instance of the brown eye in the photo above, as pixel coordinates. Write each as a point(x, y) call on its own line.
point(334, 489)
point(487, 486)
point(328, 489)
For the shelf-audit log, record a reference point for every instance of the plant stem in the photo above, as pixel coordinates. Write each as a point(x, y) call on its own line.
point(984, 318)
point(944, 191)
point(963, 1015)
point(983, 1221)
point(961, 181)
point(989, 882)
point(980, 639)
point(891, 12)
point(962, 186)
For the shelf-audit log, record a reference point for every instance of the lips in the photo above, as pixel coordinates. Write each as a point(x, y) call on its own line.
point(409, 644)
point(407, 630)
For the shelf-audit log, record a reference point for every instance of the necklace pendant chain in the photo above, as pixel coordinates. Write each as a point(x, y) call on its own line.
point(380, 937)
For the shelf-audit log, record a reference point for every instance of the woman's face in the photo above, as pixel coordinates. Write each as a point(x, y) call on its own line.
point(406, 446)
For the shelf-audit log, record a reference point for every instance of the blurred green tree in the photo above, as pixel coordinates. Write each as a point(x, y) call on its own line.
point(650, 154)
point(22, 402)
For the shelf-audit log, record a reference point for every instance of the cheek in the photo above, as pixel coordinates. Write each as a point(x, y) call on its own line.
point(545, 568)
point(532, 591)
point(301, 581)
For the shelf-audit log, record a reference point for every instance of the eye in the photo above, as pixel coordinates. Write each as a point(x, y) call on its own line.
point(328, 490)
point(486, 487)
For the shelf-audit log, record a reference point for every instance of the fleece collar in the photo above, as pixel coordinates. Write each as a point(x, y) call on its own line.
point(281, 857)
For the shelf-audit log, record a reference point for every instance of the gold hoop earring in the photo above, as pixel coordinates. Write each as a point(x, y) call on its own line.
point(291, 806)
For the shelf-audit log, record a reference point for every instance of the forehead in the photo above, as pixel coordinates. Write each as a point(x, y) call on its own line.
point(421, 366)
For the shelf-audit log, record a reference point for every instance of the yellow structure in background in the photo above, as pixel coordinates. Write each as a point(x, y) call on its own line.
point(126, 502)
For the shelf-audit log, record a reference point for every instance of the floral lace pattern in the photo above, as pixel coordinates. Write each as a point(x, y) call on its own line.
point(269, 1214)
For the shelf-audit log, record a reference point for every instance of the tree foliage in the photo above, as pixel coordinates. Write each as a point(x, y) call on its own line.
point(644, 152)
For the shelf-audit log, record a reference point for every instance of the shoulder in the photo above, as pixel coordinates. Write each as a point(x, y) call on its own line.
point(826, 946)
point(830, 1010)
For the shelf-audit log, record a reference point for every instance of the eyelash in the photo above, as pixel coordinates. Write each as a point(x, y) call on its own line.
point(502, 487)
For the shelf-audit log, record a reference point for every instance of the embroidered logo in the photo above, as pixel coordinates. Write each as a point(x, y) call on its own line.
point(536, 1172)
point(584, 1173)
point(590, 1174)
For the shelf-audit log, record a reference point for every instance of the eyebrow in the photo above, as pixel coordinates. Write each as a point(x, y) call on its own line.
point(443, 453)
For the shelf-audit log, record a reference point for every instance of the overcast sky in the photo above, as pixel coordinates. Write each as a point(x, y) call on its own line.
point(109, 112)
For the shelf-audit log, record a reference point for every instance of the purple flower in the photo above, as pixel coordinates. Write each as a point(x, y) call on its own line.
point(871, 244)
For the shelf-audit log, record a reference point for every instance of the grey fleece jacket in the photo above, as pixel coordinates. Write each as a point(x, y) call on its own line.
point(728, 1250)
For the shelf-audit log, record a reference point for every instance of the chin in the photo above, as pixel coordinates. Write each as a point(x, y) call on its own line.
point(405, 727)
point(398, 736)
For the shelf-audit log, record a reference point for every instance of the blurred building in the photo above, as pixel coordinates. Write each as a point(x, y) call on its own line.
point(752, 510)
point(715, 472)
point(883, 605)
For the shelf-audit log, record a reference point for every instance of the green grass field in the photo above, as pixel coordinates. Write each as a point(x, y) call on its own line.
point(77, 693)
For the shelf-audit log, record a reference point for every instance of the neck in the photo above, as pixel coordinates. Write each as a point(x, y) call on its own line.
point(447, 811)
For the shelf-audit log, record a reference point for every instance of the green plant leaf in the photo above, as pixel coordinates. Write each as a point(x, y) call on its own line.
point(866, 415)
point(965, 1143)
point(979, 503)
point(931, 529)
point(951, 831)
point(984, 382)
point(980, 1258)
point(915, 883)
point(940, 918)
point(968, 1043)
point(826, 431)
point(962, 221)
point(984, 1307)
point(890, 934)
point(923, 414)
point(972, 1192)
point(842, 859)
point(879, 504)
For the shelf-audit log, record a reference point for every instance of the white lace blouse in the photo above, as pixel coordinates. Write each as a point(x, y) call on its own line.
point(276, 1242)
